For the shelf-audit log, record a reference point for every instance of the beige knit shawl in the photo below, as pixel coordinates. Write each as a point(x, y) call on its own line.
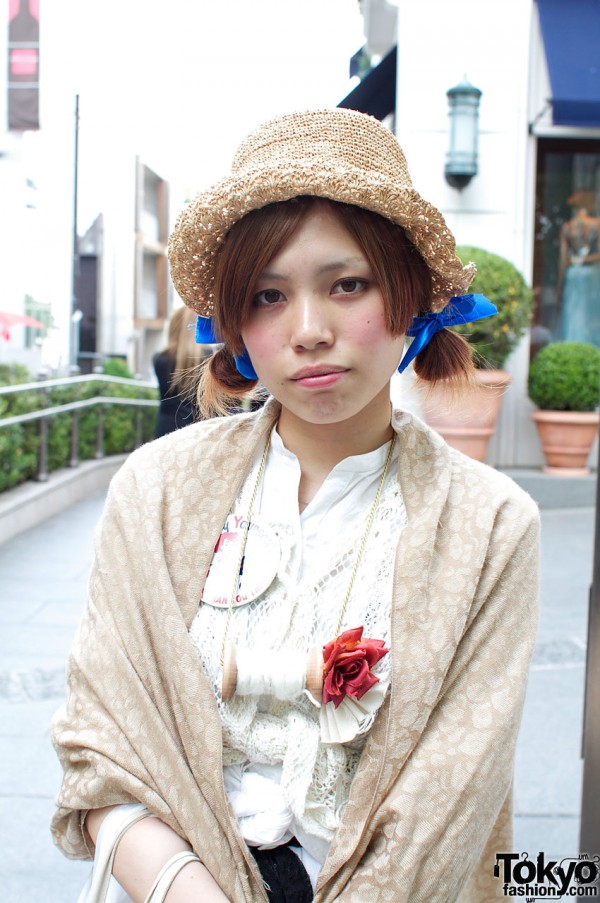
point(429, 804)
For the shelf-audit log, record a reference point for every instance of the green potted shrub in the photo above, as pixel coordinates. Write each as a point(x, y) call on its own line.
point(467, 420)
point(494, 338)
point(564, 383)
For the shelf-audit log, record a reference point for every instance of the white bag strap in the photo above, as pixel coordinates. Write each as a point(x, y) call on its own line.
point(116, 823)
point(167, 875)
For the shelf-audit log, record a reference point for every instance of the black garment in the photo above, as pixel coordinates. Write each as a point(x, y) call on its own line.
point(285, 878)
point(176, 410)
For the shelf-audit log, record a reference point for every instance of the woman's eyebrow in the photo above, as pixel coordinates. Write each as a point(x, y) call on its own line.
point(334, 265)
point(341, 264)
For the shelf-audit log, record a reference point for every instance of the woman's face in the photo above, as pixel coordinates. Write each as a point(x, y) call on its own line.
point(317, 335)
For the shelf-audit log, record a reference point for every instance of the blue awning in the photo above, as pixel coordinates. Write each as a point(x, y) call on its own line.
point(571, 34)
point(376, 94)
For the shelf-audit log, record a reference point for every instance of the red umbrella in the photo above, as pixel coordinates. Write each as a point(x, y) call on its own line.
point(7, 320)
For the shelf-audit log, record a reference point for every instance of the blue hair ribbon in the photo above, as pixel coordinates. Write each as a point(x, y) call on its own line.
point(460, 309)
point(204, 331)
point(244, 365)
point(205, 335)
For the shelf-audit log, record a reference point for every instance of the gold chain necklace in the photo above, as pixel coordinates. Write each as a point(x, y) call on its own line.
point(359, 554)
point(238, 570)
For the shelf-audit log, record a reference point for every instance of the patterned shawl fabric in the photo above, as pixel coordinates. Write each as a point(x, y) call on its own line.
point(430, 802)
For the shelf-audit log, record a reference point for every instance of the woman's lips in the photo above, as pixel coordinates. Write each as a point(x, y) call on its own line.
point(318, 377)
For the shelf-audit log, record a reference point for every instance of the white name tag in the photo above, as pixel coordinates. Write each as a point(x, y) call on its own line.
point(260, 563)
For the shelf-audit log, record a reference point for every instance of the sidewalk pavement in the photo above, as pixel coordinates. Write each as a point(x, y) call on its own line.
point(43, 575)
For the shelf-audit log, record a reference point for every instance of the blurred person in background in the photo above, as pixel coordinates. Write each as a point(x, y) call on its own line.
point(175, 367)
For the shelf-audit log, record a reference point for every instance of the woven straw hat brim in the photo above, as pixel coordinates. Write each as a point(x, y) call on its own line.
point(201, 228)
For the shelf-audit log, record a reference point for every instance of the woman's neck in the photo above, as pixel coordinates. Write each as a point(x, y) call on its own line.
point(319, 447)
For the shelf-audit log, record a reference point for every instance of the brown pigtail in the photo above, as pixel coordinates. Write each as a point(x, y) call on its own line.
point(448, 356)
point(221, 386)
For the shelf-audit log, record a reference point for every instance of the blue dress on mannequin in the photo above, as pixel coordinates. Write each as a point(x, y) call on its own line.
point(580, 250)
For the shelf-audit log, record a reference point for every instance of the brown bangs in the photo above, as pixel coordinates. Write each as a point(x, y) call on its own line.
point(248, 247)
point(402, 275)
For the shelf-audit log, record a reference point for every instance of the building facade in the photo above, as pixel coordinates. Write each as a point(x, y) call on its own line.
point(535, 62)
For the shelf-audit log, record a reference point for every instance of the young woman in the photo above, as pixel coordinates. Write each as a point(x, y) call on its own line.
point(304, 656)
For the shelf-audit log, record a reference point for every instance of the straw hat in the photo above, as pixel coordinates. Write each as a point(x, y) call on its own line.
point(337, 154)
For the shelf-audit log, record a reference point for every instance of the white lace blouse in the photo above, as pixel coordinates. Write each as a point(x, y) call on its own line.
point(282, 780)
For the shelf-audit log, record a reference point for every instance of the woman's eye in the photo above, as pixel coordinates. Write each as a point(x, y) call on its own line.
point(349, 286)
point(268, 296)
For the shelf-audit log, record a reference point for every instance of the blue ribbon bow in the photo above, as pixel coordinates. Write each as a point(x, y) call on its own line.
point(460, 309)
point(204, 331)
point(205, 336)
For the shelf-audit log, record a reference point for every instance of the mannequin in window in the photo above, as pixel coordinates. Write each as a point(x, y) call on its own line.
point(579, 274)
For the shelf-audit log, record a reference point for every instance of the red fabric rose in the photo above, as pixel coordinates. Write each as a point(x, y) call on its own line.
point(347, 665)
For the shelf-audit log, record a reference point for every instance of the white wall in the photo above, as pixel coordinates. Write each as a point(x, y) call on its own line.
point(439, 44)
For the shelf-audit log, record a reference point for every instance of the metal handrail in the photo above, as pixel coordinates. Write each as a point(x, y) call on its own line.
point(74, 406)
point(70, 380)
point(44, 414)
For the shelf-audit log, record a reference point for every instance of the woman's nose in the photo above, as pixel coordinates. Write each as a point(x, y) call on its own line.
point(310, 322)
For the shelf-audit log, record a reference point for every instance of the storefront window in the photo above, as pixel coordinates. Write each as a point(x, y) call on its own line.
point(567, 243)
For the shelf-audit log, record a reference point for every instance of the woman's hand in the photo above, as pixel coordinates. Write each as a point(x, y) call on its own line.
point(142, 852)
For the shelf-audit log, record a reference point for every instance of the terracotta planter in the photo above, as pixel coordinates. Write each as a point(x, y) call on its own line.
point(466, 418)
point(567, 438)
